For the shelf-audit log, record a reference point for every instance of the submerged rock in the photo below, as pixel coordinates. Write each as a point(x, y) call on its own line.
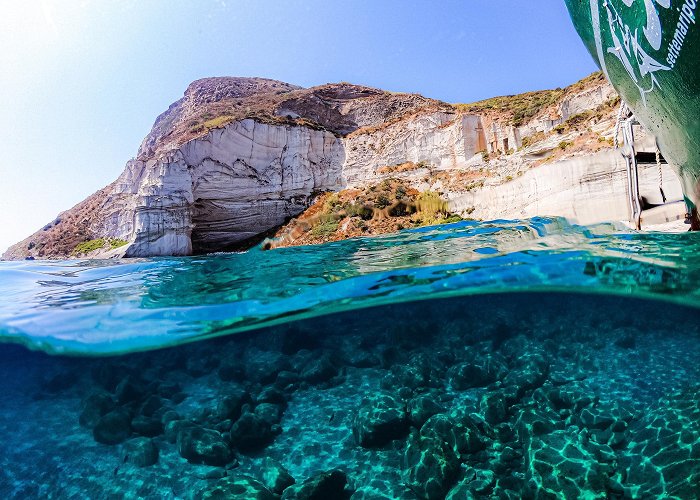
point(662, 458)
point(324, 486)
point(494, 407)
point(108, 374)
point(272, 395)
point(270, 413)
point(151, 406)
point(141, 452)
point(530, 373)
point(537, 421)
point(430, 467)
point(169, 389)
point(626, 341)
point(94, 406)
point(476, 484)
point(61, 381)
point(251, 432)
point(421, 408)
point(200, 365)
point(355, 353)
point(263, 366)
point(243, 487)
point(380, 419)
point(420, 372)
point(274, 476)
point(173, 427)
point(203, 446)
point(147, 426)
point(480, 372)
point(321, 369)
point(113, 427)
point(231, 404)
point(570, 398)
point(458, 431)
point(231, 368)
point(169, 416)
point(561, 465)
point(371, 493)
point(286, 380)
point(128, 390)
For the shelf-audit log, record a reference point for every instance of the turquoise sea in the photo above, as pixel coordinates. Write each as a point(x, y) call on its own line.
point(501, 359)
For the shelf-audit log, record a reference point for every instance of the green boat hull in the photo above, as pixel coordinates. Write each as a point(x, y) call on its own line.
point(650, 52)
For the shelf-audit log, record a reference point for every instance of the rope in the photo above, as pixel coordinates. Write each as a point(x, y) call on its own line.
point(632, 173)
point(661, 175)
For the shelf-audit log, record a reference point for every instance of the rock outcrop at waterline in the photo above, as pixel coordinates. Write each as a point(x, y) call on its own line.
point(237, 157)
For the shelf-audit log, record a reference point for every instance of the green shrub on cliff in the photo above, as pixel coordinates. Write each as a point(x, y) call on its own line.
point(532, 139)
point(116, 243)
point(325, 228)
point(563, 145)
point(431, 203)
point(89, 246)
point(98, 244)
point(196, 126)
point(218, 122)
point(575, 121)
point(332, 204)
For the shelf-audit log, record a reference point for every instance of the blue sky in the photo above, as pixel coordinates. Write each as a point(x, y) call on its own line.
point(81, 81)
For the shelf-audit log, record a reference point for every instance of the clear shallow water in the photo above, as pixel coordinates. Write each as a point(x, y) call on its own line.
point(106, 307)
point(510, 359)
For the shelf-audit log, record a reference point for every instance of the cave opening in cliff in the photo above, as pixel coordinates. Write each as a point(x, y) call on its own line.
point(227, 226)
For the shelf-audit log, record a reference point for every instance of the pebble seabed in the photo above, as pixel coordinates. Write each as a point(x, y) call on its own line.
point(493, 396)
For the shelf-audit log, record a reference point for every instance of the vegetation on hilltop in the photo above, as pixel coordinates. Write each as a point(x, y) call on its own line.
point(214, 103)
point(519, 109)
point(339, 108)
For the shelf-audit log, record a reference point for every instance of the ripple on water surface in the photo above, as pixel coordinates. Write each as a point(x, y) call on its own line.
point(89, 307)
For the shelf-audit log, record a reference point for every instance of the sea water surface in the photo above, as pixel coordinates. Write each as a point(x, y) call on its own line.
point(500, 359)
point(106, 307)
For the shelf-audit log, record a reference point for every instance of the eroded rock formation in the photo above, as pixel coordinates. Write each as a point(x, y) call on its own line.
point(223, 188)
point(237, 157)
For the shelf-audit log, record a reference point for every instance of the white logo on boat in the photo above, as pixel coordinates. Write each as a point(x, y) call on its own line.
point(625, 40)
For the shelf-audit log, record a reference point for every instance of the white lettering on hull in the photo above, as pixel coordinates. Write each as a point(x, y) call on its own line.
point(639, 52)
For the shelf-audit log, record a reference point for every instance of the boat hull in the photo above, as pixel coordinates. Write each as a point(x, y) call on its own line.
point(650, 52)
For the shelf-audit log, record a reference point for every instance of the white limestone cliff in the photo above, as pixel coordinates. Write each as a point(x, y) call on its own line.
point(585, 189)
point(433, 141)
point(200, 192)
point(218, 190)
point(246, 178)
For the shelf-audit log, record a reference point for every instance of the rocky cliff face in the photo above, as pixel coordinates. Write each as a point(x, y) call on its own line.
point(237, 157)
point(223, 188)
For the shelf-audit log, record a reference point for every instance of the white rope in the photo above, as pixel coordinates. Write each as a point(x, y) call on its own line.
point(632, 173)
